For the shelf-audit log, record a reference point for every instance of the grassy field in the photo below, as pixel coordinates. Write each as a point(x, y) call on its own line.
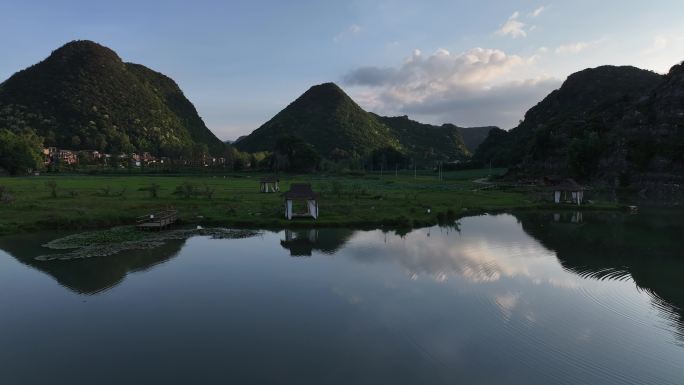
point(84, 202)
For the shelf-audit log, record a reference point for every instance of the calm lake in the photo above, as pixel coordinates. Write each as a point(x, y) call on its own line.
point(528, 298)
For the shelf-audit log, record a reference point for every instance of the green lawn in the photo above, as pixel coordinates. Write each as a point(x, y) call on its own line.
point(371, 200)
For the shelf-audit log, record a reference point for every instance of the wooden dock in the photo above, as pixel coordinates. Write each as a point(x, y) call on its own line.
point(158, 220)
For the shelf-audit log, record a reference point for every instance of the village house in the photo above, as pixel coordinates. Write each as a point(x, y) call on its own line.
point(148, 158)
point(53, 155)
point(49, 155)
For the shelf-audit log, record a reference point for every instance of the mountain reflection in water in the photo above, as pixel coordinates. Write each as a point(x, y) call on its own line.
point(91, 275)
point(529, 297)
point(644, 248)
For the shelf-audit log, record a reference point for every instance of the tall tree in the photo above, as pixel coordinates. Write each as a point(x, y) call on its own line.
point(20, 152)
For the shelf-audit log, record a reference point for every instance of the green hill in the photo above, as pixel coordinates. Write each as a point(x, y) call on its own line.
point(83, 96)
point(425, 140)
point(327, 118)
point(604, 124)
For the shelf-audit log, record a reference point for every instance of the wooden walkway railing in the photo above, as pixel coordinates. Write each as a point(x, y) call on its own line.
point(158, 220)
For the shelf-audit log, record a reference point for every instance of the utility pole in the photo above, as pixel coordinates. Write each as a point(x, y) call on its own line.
point(439, 170)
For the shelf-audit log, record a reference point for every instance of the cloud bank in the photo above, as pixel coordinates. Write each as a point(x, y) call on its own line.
point(477, 87)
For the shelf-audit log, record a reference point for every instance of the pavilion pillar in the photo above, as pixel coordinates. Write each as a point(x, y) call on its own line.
point(288, 209)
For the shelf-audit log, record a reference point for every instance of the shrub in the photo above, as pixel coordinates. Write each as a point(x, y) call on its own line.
point(336, 188)
point(5, 196)
point(186, 190)
point(105, 191)
point(208, 191)
point(20, 153)
point(51, 185)
point(153, 189)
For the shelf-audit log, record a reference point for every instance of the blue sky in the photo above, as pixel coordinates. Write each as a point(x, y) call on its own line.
point(463, 62)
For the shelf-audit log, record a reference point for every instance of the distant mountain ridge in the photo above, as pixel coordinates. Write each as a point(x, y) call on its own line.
point(474, 136)
point(426, 140)
point(83, 96)
point(327, 118)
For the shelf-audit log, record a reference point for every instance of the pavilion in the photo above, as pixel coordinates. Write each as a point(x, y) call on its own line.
point(566, 191)
point(269, 184)
point(301, 192)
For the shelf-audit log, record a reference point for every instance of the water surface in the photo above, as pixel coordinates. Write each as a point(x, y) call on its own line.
point(530, 298)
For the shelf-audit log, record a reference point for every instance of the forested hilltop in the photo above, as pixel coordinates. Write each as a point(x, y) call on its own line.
point(338, 128)
point(84, 97)
point(615, 125)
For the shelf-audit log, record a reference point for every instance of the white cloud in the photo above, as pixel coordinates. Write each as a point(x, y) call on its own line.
point(660, 52)
point(659, 44)
point(477, 87)
point(516, 28)
point(350, 31)
point(577, 47)
point(513, 27)
point(572, 48)
point(538, 11)
point(440, 69)
point(502, 105)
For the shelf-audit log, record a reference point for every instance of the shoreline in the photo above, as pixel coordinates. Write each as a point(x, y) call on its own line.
point(402, 201)
point(103, 242)
point(440, 218)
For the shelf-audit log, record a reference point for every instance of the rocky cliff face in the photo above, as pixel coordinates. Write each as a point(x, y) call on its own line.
point(607, 125)
point(651, 145)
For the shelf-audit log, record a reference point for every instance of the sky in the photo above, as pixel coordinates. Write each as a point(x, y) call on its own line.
point(471, 63)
